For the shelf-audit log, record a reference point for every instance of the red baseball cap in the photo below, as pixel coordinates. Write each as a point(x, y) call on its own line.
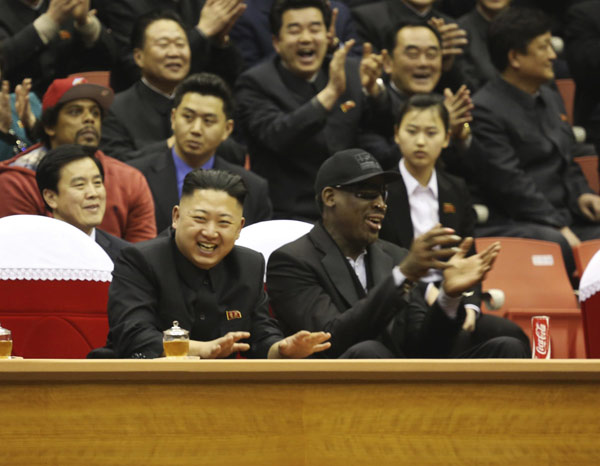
point(76, 87)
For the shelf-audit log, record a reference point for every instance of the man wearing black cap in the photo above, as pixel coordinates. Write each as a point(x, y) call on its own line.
point(343, 279)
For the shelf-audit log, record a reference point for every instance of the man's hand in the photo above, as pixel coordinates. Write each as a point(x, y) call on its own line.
point(459, 107)
point(463, 273)
point(426, 252)
point(22, 104)
point(470, 319)
point(5, 111)
point(589, 204)
point(218, 17)
point(300, 345)
point(220, 347)
point(571, 237)
point(454, 39)
point(62, 10)
point(332, 39)
point(336, 85)
point(371, 67)
point(81, 12)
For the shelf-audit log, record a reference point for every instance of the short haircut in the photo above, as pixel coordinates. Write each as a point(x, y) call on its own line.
point(138, 33)
point(392, 34)
point(514, 29)
point(205, 84)
point(218, 180)
point(47, 174)
point(279, 7)
point(423, 101)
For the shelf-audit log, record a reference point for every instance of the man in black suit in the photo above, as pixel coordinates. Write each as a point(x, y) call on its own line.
point(198, 277)
point(71, 182)
point(48, 39)
point(340, 277)
point(298, 108)
point(201, 119)
point(523, 156)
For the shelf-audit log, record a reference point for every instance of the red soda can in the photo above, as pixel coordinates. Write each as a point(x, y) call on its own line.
point(540, 330)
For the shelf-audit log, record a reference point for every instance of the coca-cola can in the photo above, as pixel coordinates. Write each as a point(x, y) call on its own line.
point(540, 330)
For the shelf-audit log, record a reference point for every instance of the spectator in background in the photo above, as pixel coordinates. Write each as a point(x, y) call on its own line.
point(477, 23)
point(298, 108)
point(141, 115)
point(19, 112)
point(72, 112)
point(377, 22)
point(207, 24)
point(252, 35)
point(71, 182)
point(201, 119)
point(48, 39)
point(523, 157)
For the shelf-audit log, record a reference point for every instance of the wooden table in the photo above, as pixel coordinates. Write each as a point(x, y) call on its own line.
point(504, 412)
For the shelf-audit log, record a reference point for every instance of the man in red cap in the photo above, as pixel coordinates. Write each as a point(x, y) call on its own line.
point(72, 111)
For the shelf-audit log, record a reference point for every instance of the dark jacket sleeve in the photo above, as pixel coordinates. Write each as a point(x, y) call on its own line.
point(133, 308)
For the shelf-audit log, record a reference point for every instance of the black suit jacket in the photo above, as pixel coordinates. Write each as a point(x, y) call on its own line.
point(111, 244)
point(159, 170)
point(522, 154)
point(26, 56)
point(289, 134)
point(154, 284)
point(312, 287)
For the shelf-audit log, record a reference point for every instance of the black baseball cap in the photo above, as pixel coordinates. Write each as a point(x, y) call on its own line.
point(351, 166)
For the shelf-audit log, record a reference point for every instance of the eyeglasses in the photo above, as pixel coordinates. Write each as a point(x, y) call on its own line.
point(368, 193)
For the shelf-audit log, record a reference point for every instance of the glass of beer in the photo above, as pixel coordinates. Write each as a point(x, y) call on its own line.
point(176, 341)
point(5, 343)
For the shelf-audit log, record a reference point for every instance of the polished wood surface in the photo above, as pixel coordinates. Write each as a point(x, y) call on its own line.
point(299, 412)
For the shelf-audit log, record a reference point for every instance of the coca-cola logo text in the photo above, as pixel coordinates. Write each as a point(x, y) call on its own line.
point(541, 332)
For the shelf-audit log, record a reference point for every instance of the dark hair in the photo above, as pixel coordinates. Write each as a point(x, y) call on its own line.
point(205, 84)
point(218, 180)
point(47, 174)
point(423, 101)
point(514, 29)
point(279, 7)
point(392, 34)
point(138, 33)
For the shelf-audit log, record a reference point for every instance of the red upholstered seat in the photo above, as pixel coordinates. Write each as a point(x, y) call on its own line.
point(534, 280)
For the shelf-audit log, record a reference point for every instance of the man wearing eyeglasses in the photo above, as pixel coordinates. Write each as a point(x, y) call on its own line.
point(341, 278)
